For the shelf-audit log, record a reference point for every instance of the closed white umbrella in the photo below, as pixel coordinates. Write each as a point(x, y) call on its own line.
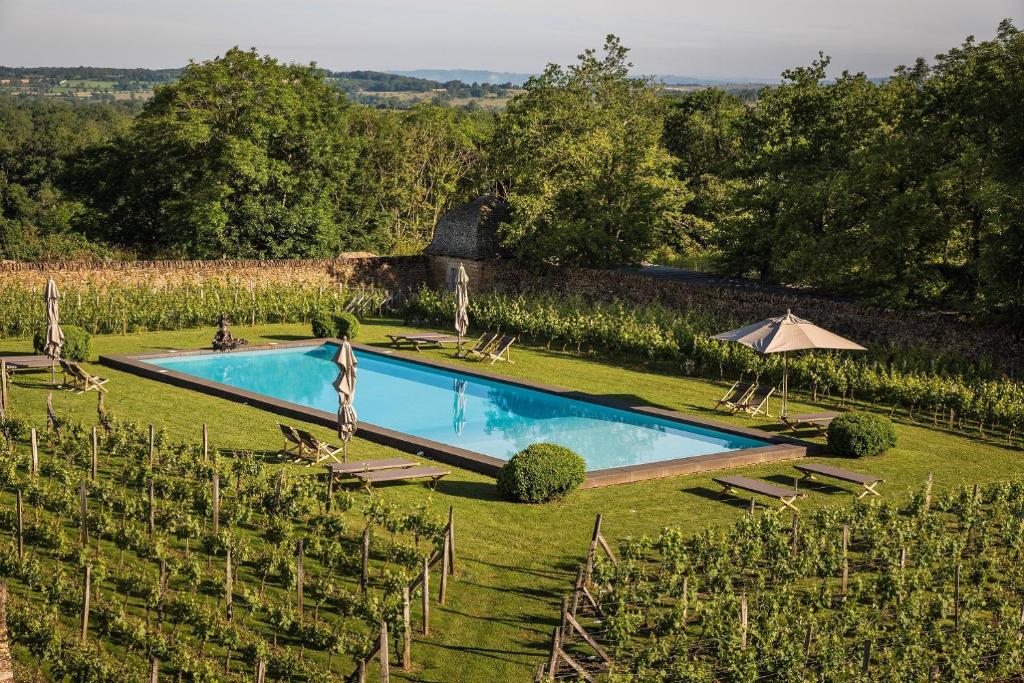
point(345, 385)
point(54, 342)
point(783, 334)
point(461, 306)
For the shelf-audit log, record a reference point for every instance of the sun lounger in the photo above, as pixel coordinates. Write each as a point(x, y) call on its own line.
point(370, 465)
point(400, 474)
point(292, 440)
point(737, 393)
point(483, 344)
point(817, 421)
point(26, 362)
point(500, 351)
point(81, 379)
point(420, 340)
point(756, 402)
point(866, 481)
point(319, 450)
point(784, 495)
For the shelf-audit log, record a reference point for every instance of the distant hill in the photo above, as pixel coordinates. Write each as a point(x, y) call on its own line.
point(467, 76)
point(671, 79)
point(90, 73)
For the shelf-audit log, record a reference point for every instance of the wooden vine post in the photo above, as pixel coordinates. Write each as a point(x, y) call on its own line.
point(261, 671)
point(152, 506)
point(743, 622)
point(451, 540)
point(846, 559)
point(330, 489)
point(21, 527)
point(154, 670)
point(95, 452)
point(35, 452)
point(426, 592)
point(444, 570)
point(4, 397)
point(406, 630)
point(228, 584)
point(206, 442)
point(956, 599)
point(83, 512)
point(85, 602)
point(6, 660)
point(152, 445)
point(299, 576)
point(364, 578)
point(216, 502)
point(385, 668)
point(928, 494)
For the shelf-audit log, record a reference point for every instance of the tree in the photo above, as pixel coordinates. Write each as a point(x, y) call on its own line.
point(242, 156)
point(577, 156)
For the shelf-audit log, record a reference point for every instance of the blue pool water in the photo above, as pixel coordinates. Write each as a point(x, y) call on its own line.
point(493, 418)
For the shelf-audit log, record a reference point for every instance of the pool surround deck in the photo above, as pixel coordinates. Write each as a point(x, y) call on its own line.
point(777, 447)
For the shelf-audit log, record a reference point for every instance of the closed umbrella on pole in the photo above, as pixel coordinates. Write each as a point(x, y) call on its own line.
point(345, 384)
point(784, 334)
point(461, 305)
point(54, 342)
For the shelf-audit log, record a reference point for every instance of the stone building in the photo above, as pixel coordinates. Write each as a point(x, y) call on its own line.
point(467, 234)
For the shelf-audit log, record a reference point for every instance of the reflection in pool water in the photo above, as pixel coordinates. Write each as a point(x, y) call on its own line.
point(480, 415)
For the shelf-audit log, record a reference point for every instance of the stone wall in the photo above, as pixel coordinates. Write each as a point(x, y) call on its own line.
point(382, 271)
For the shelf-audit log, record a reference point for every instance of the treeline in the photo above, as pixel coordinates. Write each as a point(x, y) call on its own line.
point(90, 73)
point(905, 191)
point(378, 81)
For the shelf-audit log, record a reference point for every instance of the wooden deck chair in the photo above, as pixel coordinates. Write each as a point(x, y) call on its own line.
point(499, 351)
point(483, 344)
point(292, 441)
point(737, 393)
point(85, 381)
point(756, 402)
point(319, 450)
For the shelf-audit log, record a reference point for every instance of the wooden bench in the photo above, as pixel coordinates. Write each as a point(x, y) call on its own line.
point(369, 465)
point(866, 481)
point(782, 494)
point(819, 421)
point(399, 474)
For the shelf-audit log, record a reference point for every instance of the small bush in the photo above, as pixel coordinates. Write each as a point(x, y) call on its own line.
point(858, 434)
point(338, 325)
point(540, 473)
point(77, 343)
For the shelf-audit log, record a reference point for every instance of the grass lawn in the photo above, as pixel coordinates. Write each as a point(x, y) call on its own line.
point(514, 561)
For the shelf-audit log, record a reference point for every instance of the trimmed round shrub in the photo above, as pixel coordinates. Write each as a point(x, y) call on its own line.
point(77, 343)
point(540, 473)
point(857, 434)
point(338, 325)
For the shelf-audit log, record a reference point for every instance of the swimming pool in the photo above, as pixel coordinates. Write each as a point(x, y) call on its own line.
point(463, 410)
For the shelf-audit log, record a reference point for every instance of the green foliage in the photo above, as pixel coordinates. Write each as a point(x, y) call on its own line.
point(541, 472)
point(339, 325)
point(77, 342)
point(586, 179)
point(857, 434)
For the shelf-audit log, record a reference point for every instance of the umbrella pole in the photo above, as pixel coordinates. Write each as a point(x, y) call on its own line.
point(785, 384)
point(344, 450)
point(53, 372)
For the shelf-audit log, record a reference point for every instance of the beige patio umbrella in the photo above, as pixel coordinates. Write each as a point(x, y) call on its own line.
point(461, 306)
point(54, 341)
point(784, 334)
point(345, 385)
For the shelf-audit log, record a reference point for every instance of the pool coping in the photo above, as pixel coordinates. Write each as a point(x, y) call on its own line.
point(779, 448)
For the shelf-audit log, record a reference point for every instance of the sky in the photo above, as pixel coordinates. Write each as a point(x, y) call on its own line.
point(740, 39)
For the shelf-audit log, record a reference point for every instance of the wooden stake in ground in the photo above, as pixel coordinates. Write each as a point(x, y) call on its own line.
point(152, 507)
point(743, 622)
point(330, 490)
point(261, 671)
point(83, 511)
point(407, 630)
point(229, 584)
point(85, 602)
point(206, 442)
point(298, 577)
point(4, 398)
point(846, 560)
point(95, 452)
point(216, 503)
point(956, 599)
point(426, 591)
point(928, 494)
point(451, 540)
point(6, 661)
point(154, 670)
point(152, 446)
point(364, 579)
point(444, 572)
point(35, 452)
point(385, 667)
point(21, 528)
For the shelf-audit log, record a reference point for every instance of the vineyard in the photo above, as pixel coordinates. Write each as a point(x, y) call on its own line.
point(121, 309)
point(930, 590)
point(930, 388)
point(130, 557)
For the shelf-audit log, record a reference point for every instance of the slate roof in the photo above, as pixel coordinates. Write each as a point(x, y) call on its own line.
point(470, 230)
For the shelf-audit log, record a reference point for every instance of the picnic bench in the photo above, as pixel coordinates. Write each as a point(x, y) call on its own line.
point(866, 481)
point(403, 473)
point(784, 495)
point(818, 421)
